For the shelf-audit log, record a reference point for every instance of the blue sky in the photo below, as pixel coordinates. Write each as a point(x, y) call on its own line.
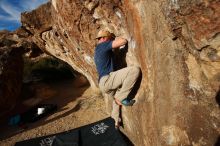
point(10, 11)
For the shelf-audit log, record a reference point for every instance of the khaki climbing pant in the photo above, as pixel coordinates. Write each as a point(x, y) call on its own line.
point(118, 84)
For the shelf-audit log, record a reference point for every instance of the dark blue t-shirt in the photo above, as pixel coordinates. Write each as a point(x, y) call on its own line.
point(104, 58)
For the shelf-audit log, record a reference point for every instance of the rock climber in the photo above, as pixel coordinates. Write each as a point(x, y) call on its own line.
point(116, 83)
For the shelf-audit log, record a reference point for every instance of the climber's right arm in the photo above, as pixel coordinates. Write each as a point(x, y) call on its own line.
point(118, 42)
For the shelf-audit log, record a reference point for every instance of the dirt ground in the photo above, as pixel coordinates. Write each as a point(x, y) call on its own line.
point(77, 104)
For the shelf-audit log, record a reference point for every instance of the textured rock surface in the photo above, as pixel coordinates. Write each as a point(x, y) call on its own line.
point(13, 45)
point(176, 44)
point(11, 68)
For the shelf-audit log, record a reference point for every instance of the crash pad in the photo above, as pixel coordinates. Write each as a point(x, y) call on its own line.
point(101, 133)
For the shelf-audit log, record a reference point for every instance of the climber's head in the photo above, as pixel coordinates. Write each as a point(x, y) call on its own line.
point(104, 35)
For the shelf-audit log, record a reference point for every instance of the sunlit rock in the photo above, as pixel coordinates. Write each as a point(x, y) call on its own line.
point(176, 45)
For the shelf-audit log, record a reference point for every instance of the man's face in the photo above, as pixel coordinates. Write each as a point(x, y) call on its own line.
point(102, 39)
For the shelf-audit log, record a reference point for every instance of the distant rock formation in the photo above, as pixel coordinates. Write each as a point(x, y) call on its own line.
point(13, 45)
point(11, 66)
point(176, 44)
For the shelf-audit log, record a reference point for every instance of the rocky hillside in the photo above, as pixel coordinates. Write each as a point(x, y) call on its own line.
point(176, 44)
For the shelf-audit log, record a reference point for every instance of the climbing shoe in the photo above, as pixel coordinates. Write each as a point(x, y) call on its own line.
point(127, 102)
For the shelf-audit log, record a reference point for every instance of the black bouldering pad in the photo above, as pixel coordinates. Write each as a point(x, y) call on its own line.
point(101, 133)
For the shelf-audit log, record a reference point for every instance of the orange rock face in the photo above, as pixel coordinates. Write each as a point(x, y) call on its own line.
point(176, 44)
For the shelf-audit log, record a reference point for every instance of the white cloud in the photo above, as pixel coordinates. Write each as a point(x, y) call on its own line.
point(31, 4)
point(12, 11)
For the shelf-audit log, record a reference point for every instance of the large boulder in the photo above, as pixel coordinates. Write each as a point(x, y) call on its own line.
point(13, 46)
point(176, 44)
point(11, 69)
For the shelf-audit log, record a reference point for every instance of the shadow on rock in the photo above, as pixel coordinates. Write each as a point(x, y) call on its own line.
point(120, 58)
point(136, 87)
point(217, 142)
point(217, 98)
